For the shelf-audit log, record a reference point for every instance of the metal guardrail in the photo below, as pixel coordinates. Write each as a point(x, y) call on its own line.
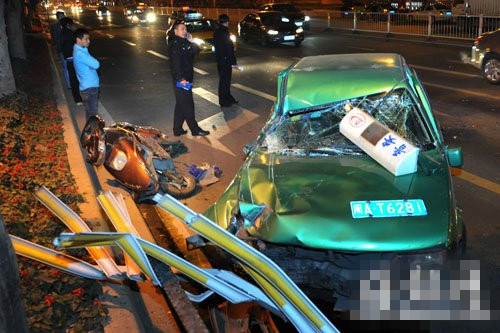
point(443, 26)
point(465, 27)
point(279, 293)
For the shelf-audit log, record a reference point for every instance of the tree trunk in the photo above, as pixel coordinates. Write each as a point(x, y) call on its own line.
point(7, 83)
point(15, 28)
point(12, 314)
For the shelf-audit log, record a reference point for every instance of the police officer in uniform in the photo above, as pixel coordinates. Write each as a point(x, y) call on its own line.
point(181, 52)
point(224, 52)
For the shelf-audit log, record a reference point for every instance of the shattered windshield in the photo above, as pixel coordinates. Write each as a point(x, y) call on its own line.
point(316, 131)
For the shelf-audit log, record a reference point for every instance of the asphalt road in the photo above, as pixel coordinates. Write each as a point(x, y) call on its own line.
point(137, 87)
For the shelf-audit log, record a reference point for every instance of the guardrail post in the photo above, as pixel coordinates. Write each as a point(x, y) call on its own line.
point(388, 23)
point(429, 26)
point(328, 23)
point(355, 22)
point(480, 25)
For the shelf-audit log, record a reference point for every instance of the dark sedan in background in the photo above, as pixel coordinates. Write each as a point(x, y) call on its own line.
point(270, 28)
point(299, 18)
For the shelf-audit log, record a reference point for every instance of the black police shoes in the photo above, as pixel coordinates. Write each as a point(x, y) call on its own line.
point(180, 132)
point(200, 132)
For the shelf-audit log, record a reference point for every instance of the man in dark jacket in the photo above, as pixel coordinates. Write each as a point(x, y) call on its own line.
point(67, 42)
point(181, 52)
point(56, 35)
point(224, 52)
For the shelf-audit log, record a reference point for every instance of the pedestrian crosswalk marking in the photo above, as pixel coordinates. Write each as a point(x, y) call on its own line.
point(218, 125)
point(255, 92)
point(200, 71)
point(159, 55)
point(129, 43)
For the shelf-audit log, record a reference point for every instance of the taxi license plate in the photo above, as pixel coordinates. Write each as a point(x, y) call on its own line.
point(289, 37)
point(388, 208)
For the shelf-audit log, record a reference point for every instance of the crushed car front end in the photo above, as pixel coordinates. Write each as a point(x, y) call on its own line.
point(293, 197)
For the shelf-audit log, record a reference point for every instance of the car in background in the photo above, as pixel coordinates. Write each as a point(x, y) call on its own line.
point(129, 10)
point(439, 12)
point(202, 31)
point(185, 14)
point(270, 28)
point(102, 11)
point(77, 7)
point(485, 55)
point(306, 196)
point(292, 12)
point(143, 15)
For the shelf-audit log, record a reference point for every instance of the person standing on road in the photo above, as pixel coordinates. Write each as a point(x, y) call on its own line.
point(86, 67)
point(226, 60)
point(181, 52)
point(67, 42)
point(56, 35)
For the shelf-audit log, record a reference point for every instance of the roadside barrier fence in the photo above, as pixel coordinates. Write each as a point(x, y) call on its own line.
point(465, 27)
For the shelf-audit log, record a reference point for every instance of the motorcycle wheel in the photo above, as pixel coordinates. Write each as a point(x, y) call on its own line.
point(179, 185)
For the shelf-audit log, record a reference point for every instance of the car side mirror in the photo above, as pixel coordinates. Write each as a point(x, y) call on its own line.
point(455, 157)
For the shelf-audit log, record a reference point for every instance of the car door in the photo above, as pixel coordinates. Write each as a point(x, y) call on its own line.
point(244, 26)
point(253, 25)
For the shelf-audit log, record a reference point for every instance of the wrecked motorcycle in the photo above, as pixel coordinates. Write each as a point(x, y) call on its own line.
point(138, 157)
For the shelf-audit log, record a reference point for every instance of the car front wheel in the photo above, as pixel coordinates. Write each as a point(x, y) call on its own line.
point(491, 70)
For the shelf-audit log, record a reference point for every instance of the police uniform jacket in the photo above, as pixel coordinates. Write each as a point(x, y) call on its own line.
point(224, 49)
point(181, 53)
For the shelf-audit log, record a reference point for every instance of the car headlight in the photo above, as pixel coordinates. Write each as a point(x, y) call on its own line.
point(151, 17)
point(129, 12)
point(134, 18)
point(299, 30)
point(307, 18)
point(232, 38)
point(272, 32)
point(198, 41)
point(119, 161)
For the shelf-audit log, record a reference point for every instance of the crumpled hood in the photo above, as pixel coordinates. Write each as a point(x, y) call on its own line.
point(309, 201)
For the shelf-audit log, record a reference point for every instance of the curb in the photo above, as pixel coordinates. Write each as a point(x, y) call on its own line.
point(134, 307)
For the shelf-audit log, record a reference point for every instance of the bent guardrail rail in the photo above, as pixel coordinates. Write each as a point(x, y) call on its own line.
point(55, 259)
point(279, 293)
point(75, 223)
point(271, 277)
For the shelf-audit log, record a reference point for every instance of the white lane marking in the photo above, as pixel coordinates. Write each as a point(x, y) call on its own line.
point(360, 48)
point(463, 91)
point(255, 92)
point(159, 55)
point(200, 71)
point(110, 36)
point(105, 114)
point(217, 123)
point(129, 43)
point(445, 71)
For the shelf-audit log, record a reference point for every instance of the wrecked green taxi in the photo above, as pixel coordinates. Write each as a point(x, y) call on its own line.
point(305, 195)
